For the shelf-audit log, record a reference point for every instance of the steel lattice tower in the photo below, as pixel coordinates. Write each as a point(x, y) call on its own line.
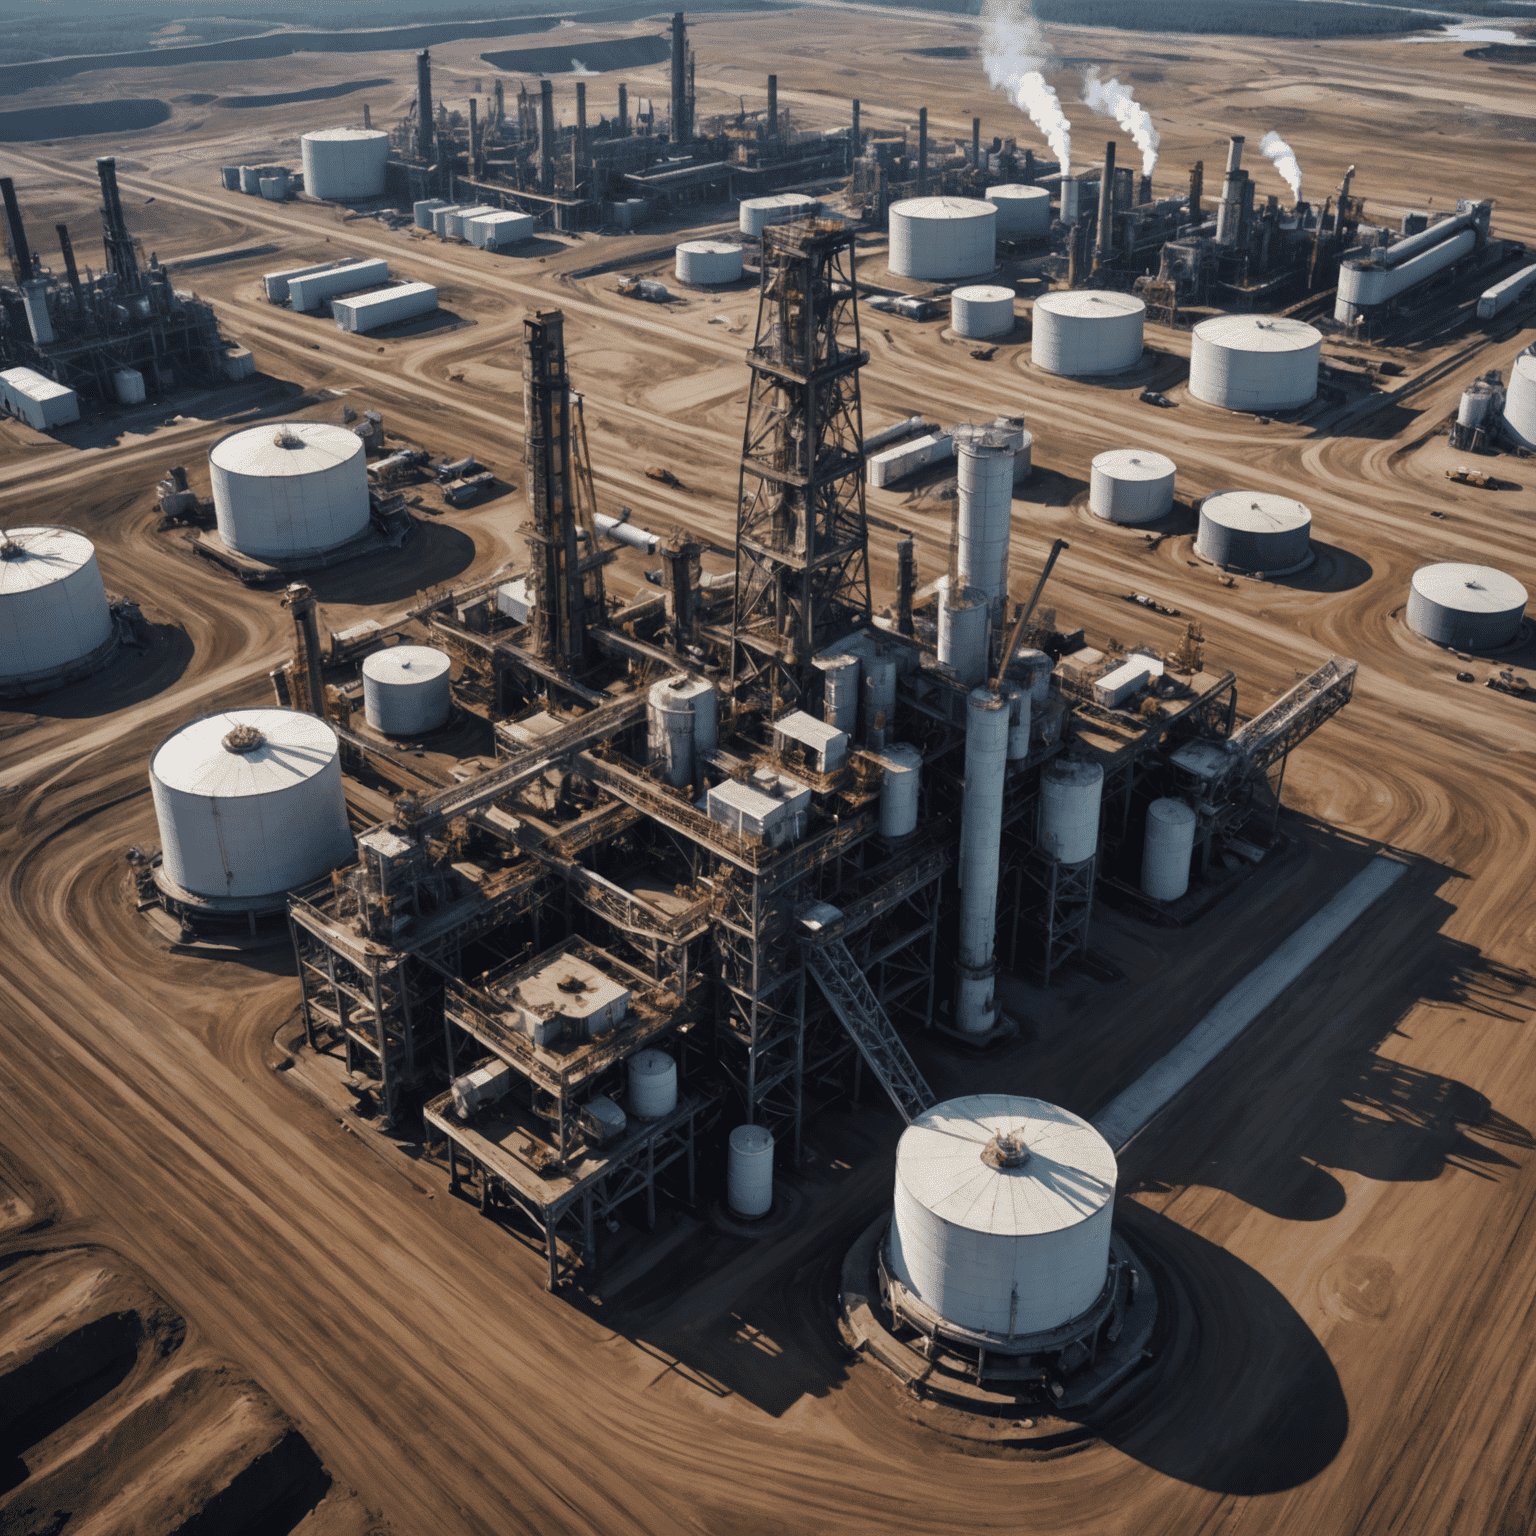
point(802, 544)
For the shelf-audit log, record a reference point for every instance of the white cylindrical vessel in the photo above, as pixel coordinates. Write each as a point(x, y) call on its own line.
point(275, 187)
point(982, 312)
point(1256, 531)
point(965, 627)
point(879, 701)
point(1020, 714)
point(984, 477)
point(1254, 362)
point(1520, 400)
point(943, 238)
point(757, 213)
point(1023, 212)
point(1021, 441)
point(1166, 849)
point(749, 1174)
point(128, 386)
point(1035, 667)
point(54, 619)
point(901, 773)
point(406, 690)
point(290, 489)
point(1467, 607)
point(669, 730)
point(1477, 401)
point(1070, 792)
point(343, 165)
point(1131, 485)
point(1002, 1213)
point(1082, 332)
point(704, 262)
point(987, 719)
point(250, 803)
point(652, 1085)
point(840, 692)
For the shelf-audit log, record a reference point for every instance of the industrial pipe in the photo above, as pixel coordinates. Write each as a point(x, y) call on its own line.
point(1105, 241)
point(911, 427)
point(546, 136)
point(922, 150)
point(425, 116)
point(628, 533)
point(623, 111)
point(987, 719)
point(21, 252)
point(679, 79)
point(773, 106)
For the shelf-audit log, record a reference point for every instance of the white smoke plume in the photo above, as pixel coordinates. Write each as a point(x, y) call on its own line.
point(1013, 52)
point(1276, 150)
point(1108, 98)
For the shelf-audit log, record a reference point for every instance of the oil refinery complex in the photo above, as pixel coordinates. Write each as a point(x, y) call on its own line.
point(619, 833)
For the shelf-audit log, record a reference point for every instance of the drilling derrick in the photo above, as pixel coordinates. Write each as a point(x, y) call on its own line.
point(802, 544)
point(568, 587)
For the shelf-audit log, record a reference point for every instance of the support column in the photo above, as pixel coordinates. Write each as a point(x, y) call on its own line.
point(986, 763)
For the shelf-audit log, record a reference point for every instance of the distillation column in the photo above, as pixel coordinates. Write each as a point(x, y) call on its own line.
point(987, 720)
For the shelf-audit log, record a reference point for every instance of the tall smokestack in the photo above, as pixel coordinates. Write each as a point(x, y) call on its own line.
point(773, 106)
point(987, 718)
point(581, 130)
point(680, 125)
point(922, 150)
point(474, 139)
point(426, 117)
point(906, 583)
point(67, 251)
point(858, 143)
point(1105, 240)
point(367, 117)
point(546, 137)
point(115, 238)
point(21, 252)
point(1229, 213)
point(1196, 190)
point(975, 143)
point(623, 111)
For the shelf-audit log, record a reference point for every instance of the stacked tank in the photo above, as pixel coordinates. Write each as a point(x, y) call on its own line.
point(54, 620)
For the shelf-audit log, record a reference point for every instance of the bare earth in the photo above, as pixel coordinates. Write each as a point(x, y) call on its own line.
point(1347, 1197)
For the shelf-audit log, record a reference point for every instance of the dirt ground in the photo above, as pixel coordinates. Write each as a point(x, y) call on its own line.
point(1347, 1197)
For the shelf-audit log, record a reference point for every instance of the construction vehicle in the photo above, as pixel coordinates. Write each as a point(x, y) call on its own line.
point(1462, 475)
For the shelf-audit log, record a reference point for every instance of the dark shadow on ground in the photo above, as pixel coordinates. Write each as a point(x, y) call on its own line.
point(315, 93)
point(128, 679)
point(434, 553)
point(1332, 570)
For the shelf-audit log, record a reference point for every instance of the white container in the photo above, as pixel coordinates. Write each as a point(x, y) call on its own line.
point(1520, 400)
point(495, 231)
point(682, 720)
point(901, 773)
point(373, 311)
point(749, 1176)
point(1131, 486)
point(702, 263)
point(275, 188)
point(344, 165)
point(652, 1085)
point(1070, 792)
point(1364, 286)
point(305, 293)
point(1125, 681)
point(840, 691)
point(1498, 298)
point(1012, 1249)
point(607, 1118)
point(878, 706)
point(441, 215)
point(276, 283)
point(1020, 717)
point(1082, 332)
point(426, 208)
point(1023, 212)
point(982, 312)
point(237, 363)
point(988, 717)
point(1254, 531)
point(1468, 607)
point(243, 818)
point(893, 464)
point(984, 519)
point(250, 180)
point(757, 213)
point(824, 746)
point(1254, 362)
point(943, 238)
point(1166, 849)
point(458, 220)
point(41, 402)
point(53, 608)
point(289, 489)
point(1021, 441)
point(965, 626)
point(406, 690)
point(128, 386)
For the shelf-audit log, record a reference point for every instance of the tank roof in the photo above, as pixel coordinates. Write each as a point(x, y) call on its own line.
point(1021, 190)
point(200, 759)
point(400, 664)
point(1259, 333)
point(1255, 511)
point(711, 247)
point(984, 293)
point(945, 208)
point(280, 449)
point(1469, 588)
point(1087, 304)
point(42, 555)
point(1134, 464)
point(333, 135)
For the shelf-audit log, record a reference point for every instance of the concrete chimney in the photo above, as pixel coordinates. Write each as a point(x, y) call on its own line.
point(773, 106)
point(546, 137)
point(426, 117)
point(1106, 237)
point(922, 151)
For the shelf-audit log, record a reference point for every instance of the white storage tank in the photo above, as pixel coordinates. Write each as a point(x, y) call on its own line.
point(128, 386)
point(1070, 791)
point(1035, 668)
point(250, 803)
point(652, 1085)
point(1081, 332)
point(1257, 531)
point(878, 689)
point(1520, 400)
point(1002, 1213)
point(406, 690)
point(982, 312)
point(749, 1175)
point(54, 619)
point(984, 517)
point(41, 402)
point(703, 263)
point(901, 772)
point(1254, 362)
point(840, 692)
point(290, 489)
point(965, 627)
point(757, 213)
point(1131, 485)
point(1166, 849)
point(942, 238)
point(682, 720)
point(1468, 607)
point(1023, 212)
point(275, 187)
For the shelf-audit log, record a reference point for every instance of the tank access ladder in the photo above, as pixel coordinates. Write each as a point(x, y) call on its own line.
point(853, 1000)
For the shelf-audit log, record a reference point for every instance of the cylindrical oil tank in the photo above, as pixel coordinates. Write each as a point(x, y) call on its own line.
point(275, 187)
point(669, 730)
point(250, 803)
point(1002, 1213)
point(984, 519)
point(289, 489)
point(1035, 668)
point(652, 1085)
point(1477, 401)
point(1520, 400)
point(1023, 212)
point(406, 690)
point(879, 698)
point(965, 626)
point(705, 262)
point(757, 213)
point(1082, 332)
point(1166, 849)
point(1468, 607)
point(901, 771)
point(53, 608)
point(749, 1173)
point(1256, 531)
point(840, 692)
point(1254, 362)
point(343, 165)
point(943, 238)
point(1070, 791)
point(128, 386)
point(982, 312)
point(1131, 485)
point(1020, 713)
